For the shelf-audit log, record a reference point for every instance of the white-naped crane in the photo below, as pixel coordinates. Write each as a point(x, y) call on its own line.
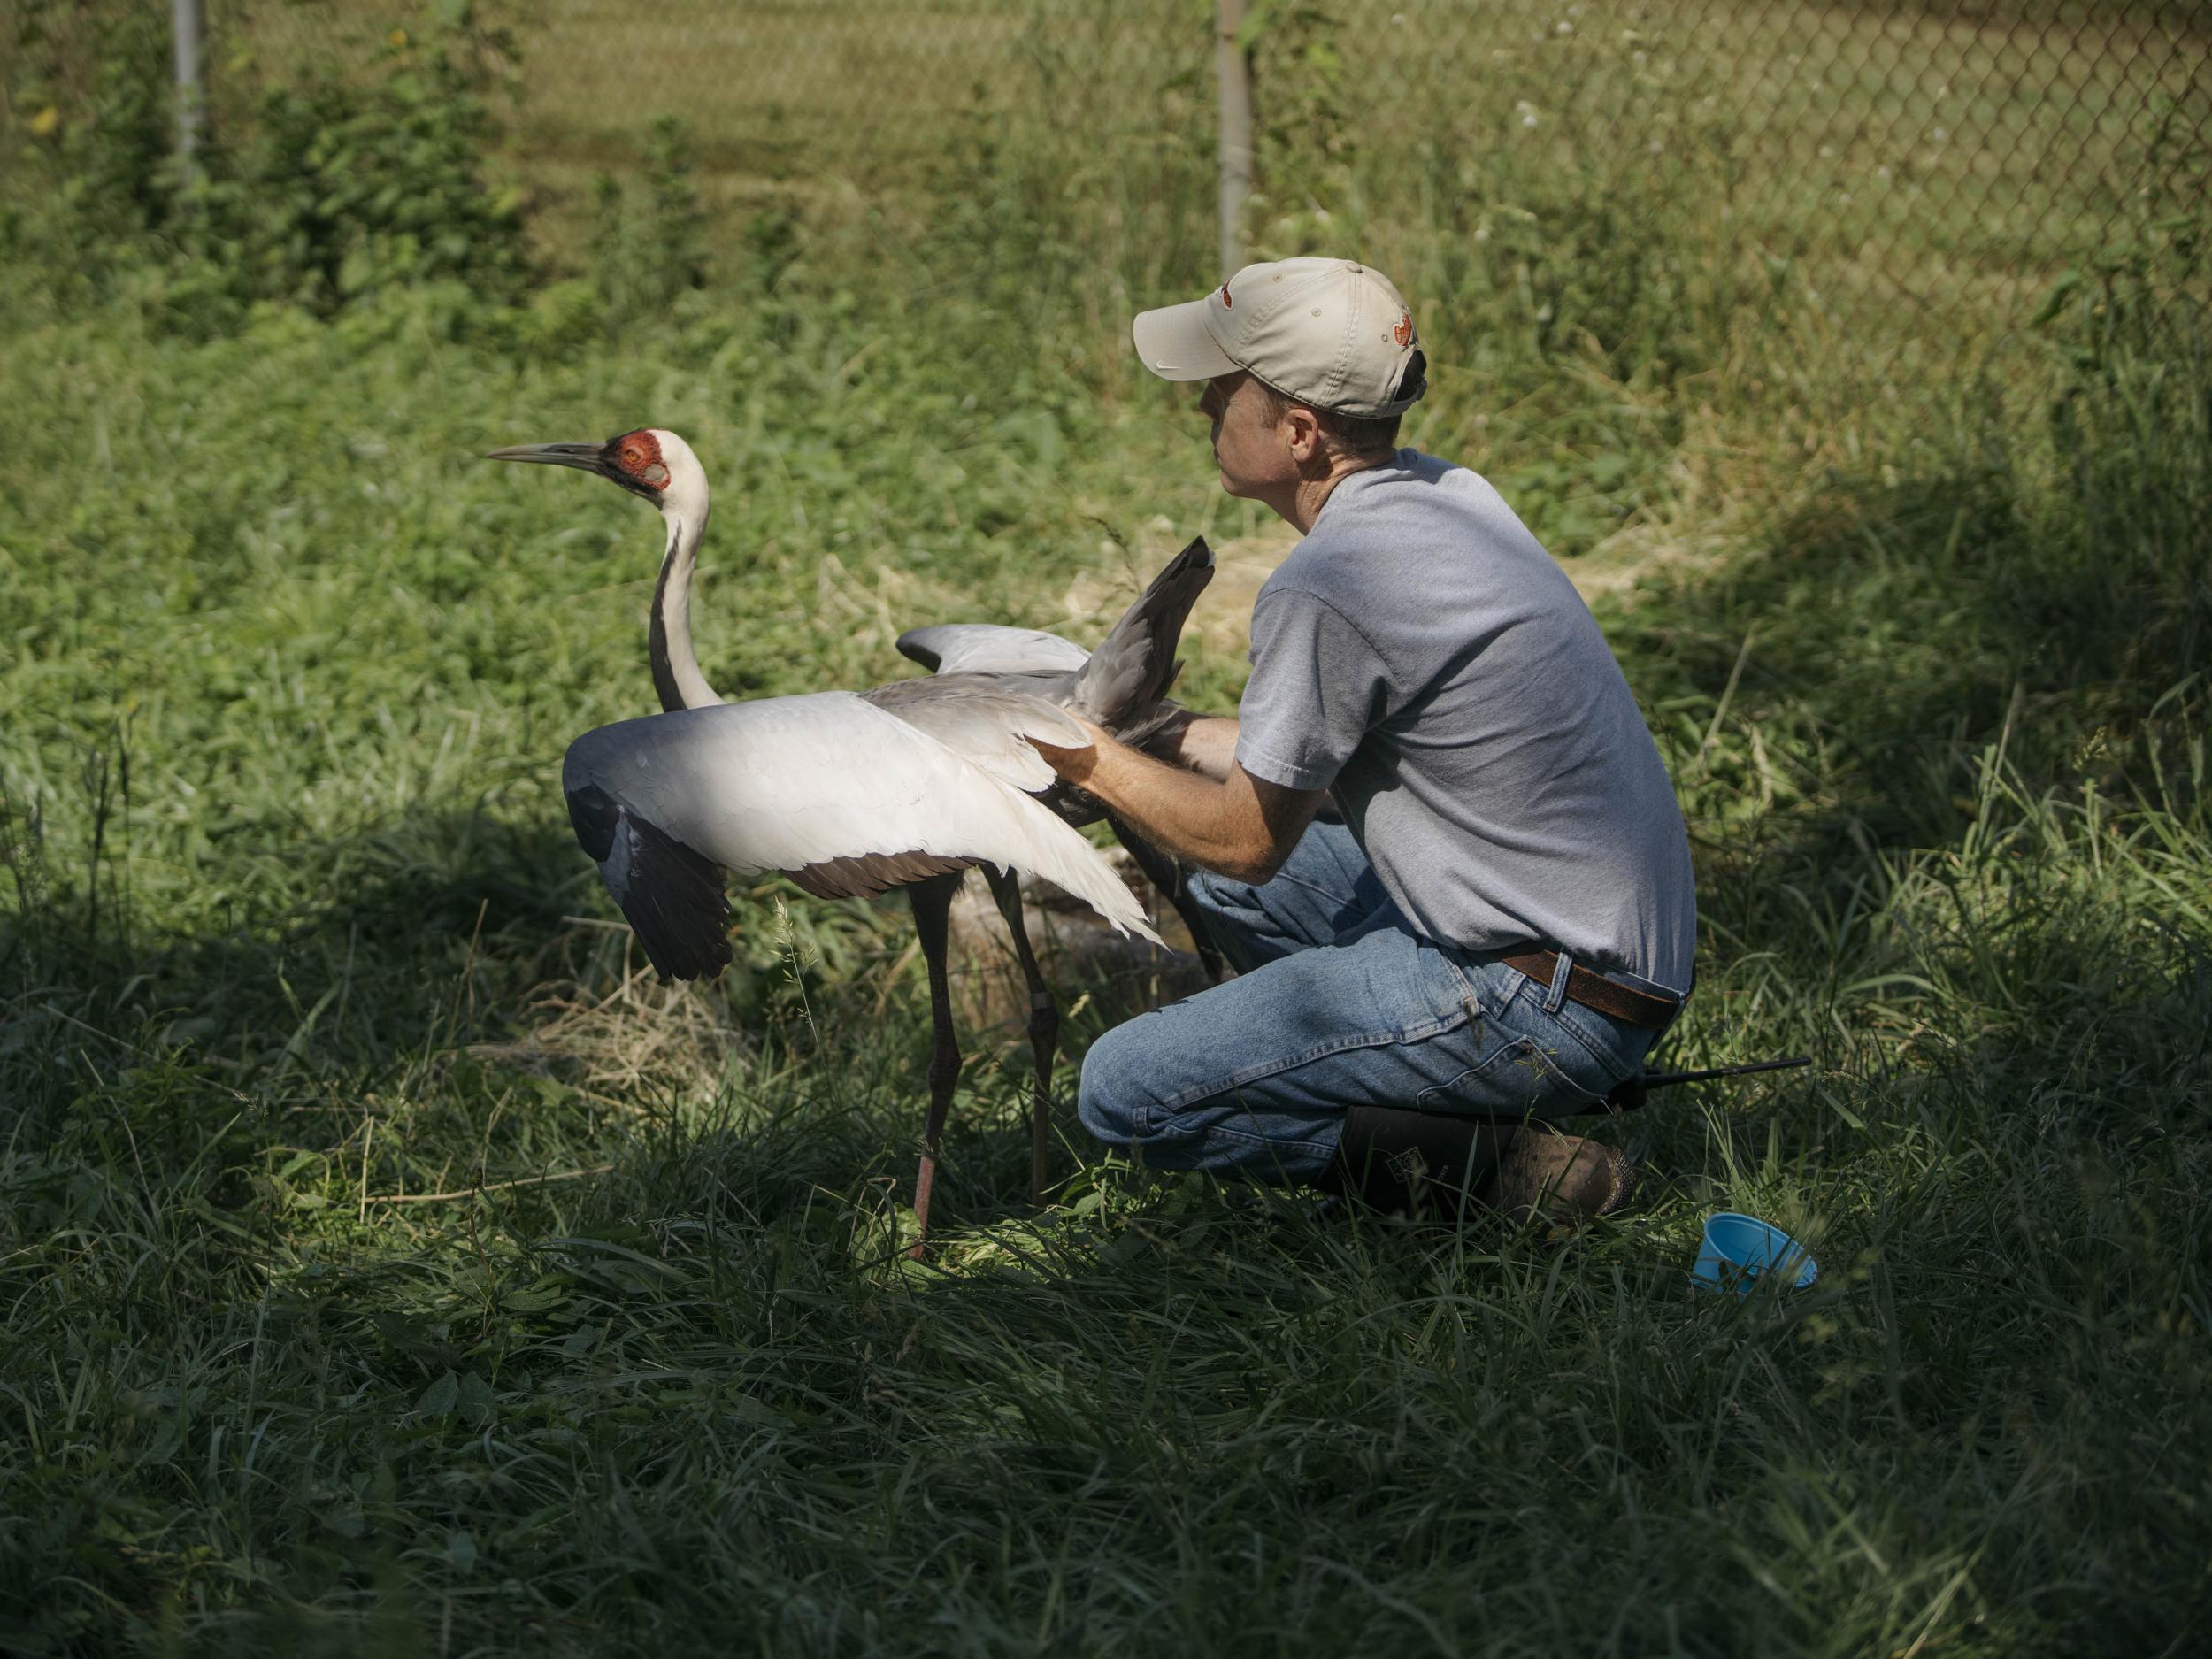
point(906, 785)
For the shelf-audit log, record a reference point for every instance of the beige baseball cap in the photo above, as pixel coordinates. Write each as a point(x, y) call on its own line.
point(1330, 332)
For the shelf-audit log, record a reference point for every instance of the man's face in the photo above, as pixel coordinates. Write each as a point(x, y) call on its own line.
point(1250, 445)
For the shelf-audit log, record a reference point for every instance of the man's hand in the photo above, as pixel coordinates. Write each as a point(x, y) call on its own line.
point(1073, 765)
point(1237, 826)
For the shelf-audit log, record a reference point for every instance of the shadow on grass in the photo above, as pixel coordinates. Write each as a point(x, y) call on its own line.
point(356, 950)
point(2045, 583)
point(700, 1363)
point(1879, 635)
point(449, 1000)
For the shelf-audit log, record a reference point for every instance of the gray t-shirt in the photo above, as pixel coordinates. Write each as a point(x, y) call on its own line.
point(1423, 657)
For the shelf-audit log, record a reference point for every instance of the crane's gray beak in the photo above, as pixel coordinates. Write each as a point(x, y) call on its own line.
point(585, 457)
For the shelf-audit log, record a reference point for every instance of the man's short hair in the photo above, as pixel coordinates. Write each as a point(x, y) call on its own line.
point(1352, 435)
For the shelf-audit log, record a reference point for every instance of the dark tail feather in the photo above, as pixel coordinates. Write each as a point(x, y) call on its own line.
point(1135, 665)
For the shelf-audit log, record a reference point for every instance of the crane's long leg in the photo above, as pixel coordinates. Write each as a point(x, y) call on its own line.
point(931, 900)
point(1168, 876)
point(1044, 1023)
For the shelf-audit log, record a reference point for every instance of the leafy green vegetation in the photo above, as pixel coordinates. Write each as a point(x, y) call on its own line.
point(391, 1266)
point(322, 190)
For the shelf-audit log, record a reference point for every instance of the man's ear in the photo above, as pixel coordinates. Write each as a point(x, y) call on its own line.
point(1305, 433)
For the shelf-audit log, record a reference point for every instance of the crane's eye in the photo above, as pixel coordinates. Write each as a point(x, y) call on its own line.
point(639, 456)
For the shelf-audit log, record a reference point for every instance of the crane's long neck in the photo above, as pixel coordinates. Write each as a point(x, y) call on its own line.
point(676, 675)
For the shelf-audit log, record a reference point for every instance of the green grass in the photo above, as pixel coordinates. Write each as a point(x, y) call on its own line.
point(682, 1393)
point(389, 1266)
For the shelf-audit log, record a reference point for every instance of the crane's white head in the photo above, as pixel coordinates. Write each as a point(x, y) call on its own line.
point(649, 462)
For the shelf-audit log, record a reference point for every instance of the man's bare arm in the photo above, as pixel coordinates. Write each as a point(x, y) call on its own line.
point(1202, 743)
point(1238, 825)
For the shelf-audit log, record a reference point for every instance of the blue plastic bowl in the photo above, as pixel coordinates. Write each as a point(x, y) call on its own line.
point(1738, 1249)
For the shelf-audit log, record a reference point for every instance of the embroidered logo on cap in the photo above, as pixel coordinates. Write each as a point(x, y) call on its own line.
point(1403, 333)
point(1227, 305)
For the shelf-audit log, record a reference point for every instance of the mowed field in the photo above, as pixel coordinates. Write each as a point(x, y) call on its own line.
point(390, 1265)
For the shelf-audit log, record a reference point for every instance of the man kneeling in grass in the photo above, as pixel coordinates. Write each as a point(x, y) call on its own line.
point(1503, 920)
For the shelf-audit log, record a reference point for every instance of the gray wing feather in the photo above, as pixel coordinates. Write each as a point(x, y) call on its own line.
point(1134, 665)
point(973, 647)
point(988, 718)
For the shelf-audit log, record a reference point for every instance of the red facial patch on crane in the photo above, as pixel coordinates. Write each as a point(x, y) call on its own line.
point(639, 454)
point(1403, 333)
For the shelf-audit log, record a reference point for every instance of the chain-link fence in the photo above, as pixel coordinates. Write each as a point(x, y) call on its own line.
point(1888, 152)
point(1884, 165)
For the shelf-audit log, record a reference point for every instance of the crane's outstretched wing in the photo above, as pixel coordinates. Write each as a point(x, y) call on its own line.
point(671, 896)
point(984, 648)
point(839, 794)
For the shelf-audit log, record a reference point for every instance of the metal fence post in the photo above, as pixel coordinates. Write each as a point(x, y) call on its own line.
point(189, 30)
point(1234, 71)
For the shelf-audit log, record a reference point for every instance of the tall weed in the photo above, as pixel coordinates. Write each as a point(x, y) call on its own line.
point(313, 193)
point(2127, 579)
point(647, 247)
point(95, 180)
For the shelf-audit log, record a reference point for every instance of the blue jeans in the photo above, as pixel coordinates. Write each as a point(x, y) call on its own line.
point(1336, 1003)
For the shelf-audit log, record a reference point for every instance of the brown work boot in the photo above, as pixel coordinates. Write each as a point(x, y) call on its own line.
point(1562, 1177)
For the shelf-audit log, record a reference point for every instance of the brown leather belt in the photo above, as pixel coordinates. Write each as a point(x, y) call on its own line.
point(1595, 990)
